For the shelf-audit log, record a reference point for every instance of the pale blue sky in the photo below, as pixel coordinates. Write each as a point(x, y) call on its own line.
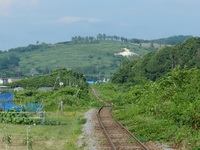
point(24, 22)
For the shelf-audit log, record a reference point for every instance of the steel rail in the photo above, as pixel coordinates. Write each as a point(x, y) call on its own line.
point(108, 137)
point(136, 139)
point(96, 94)
point(104, 129)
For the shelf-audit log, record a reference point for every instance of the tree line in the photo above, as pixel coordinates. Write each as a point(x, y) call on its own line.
point(91, 39)
point(164, 41)
point(103, 37)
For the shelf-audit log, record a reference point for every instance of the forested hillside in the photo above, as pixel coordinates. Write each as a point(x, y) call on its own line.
point(157, 64)
point(96, 57)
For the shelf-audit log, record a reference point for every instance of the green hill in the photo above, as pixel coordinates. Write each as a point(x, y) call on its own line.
point(94, 60)
point(156, 64)
point(173, 40)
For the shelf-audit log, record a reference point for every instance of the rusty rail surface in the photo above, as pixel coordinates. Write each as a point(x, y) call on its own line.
point(105, 131)
point(121, 126)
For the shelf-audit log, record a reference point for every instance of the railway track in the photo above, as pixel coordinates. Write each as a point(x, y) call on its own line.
point(104, 132)
point(101, 100)
point(119, 137)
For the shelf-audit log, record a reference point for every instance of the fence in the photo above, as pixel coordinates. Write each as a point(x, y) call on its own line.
point(7, 103)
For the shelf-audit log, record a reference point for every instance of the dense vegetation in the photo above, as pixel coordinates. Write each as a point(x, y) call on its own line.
point(156, 64)
point(166, 110)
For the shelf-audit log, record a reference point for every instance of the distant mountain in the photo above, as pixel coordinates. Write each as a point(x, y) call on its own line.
point(156, 64)
point(173, 40)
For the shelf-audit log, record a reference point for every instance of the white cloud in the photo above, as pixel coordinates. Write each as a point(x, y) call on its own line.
point(72, 19)
point(26, 2)
point(6, 5)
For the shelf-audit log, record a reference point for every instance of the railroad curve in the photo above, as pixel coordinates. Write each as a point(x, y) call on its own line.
point(119, 137)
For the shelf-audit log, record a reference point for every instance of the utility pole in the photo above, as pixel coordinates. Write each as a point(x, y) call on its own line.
point(57, 78)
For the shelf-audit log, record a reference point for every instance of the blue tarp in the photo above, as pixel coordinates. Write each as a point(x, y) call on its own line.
point(6, 97)
point(11, 105)
point(90, 82)
point(7, 102)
